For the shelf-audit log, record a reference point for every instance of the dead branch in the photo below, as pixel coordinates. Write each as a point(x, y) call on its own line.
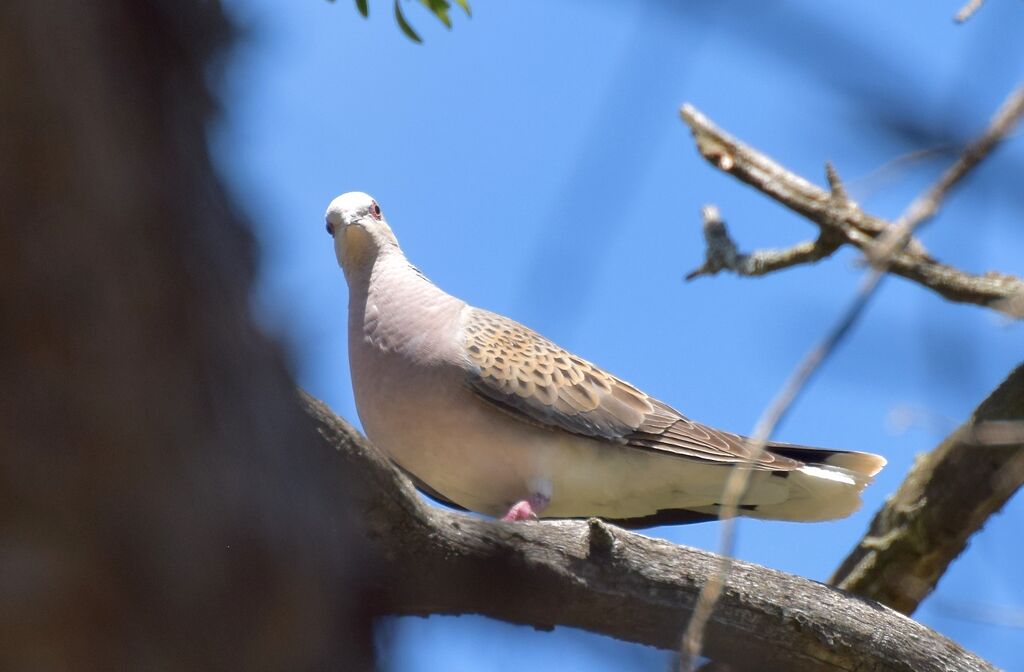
point(722, 254)
point(842, 220)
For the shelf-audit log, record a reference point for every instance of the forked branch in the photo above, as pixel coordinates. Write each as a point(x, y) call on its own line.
point(843, 222)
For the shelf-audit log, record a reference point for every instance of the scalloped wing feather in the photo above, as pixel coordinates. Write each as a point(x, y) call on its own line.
point(535, 380)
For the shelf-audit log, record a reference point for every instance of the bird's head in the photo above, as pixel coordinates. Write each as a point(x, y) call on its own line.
point(359, 230)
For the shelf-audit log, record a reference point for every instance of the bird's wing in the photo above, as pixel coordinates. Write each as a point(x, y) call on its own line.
point(526, 375)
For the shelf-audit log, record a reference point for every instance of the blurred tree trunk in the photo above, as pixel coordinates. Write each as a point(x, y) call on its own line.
point(160, 505)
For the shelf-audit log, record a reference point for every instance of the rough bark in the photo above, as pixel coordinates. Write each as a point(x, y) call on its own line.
point(598, 577)
point(947, 497)
point(162, 502)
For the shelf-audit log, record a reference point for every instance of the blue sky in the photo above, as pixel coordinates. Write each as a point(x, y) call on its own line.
point(532, 161)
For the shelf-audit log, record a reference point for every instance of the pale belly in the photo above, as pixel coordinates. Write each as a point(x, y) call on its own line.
point(486, 460)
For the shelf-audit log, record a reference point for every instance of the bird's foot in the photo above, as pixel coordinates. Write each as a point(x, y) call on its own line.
point(520, 511)
point(527, 509)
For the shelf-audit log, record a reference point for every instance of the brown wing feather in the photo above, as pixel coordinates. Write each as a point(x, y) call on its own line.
point(527, 375)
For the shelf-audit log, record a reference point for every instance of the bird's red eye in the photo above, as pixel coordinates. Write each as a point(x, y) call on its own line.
point(375, 210)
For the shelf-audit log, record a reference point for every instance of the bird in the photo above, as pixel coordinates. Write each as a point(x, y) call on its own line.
point(486, 415)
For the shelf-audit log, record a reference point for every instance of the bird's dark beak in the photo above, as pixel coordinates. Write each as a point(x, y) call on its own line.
point(330, 229)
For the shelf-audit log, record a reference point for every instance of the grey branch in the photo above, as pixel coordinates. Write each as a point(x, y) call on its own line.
point(590, 575)
point(841, 221)
point(722, 253)
point(946, 498)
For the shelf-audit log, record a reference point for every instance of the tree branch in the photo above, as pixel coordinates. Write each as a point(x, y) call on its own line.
point(598, 577)
point(722, 253)
point(946, 498)
point(842, 220)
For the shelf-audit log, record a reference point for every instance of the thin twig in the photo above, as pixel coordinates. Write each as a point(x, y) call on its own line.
point(721, 252)
point(968, 10)
point(919, 211)
point(739, 477)
point(877, 178)
point(926, 206)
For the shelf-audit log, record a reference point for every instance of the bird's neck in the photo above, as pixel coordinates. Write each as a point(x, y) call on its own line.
point(391, 294)
point(380, 270)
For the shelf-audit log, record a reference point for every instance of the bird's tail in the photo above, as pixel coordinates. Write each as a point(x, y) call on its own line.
point(826, 487)
point(862, 466)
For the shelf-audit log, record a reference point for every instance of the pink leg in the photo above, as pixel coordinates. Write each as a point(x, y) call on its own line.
point(527, 509)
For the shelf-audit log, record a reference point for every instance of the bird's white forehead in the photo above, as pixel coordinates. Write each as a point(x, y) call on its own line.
point(348, 205)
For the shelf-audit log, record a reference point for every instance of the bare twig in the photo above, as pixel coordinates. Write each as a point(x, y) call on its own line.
point(721, 253)
point(921, 209)
point(761, 172)
point(844, 220)
point(926, 206)
point(947, 496)
point(888, 171)
point(739, 477)
point(837, 192)
point(968, 10)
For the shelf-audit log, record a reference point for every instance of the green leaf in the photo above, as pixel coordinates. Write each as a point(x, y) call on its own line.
point(362, 7)
point(404, 25)
point(465, 6)
point(440, 9)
